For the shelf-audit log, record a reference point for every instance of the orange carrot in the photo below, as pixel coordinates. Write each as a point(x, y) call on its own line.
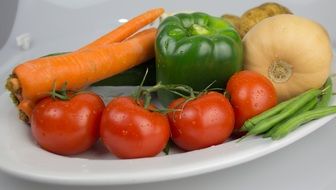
point(26, 106)
point(140, 33)
point(100, 59)
point(127, 29)
point(81, 68)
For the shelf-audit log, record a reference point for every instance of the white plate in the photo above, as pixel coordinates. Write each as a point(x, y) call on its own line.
point(22, 157)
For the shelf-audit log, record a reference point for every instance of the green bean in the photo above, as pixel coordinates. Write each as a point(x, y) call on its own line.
point(249, 124)
point(307, 107)
point(300, 119)
point(327, 94)
point(285, 113)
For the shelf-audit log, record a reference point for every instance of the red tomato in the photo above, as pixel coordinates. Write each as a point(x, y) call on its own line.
point(208, 120)
point(128, 130)
point(251, 93)
point(67, 127)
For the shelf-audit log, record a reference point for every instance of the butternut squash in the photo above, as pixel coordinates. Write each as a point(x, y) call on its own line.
point(295, 53)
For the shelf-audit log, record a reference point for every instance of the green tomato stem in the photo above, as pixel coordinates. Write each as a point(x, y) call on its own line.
point(59, 94)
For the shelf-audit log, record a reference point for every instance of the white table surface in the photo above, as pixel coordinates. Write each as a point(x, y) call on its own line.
point(308, 164)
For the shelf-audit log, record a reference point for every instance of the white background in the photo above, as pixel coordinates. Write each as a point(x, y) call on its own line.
point(308, 164)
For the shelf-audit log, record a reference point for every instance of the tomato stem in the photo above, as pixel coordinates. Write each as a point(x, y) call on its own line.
point(140, 88)
point(181, 90)
point(174, 88)
point(177, 89)
point(206, 89)
point(165, 110)
point(59, 94)
point(177, 93)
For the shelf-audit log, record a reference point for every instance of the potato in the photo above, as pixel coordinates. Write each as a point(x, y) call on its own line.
point(257, 14)
point(253, 16)
point(233, 19)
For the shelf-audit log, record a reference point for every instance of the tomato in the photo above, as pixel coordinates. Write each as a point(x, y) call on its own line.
point(251, 93)
point(128, 130)
point(205, 121)
point(67, 127)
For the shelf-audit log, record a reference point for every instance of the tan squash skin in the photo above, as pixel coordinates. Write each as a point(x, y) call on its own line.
point(302, 44)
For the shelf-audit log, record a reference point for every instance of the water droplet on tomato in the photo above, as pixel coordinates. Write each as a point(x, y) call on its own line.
point(124, 132)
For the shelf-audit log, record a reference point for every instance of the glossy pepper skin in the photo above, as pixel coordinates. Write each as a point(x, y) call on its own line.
point(196, 49)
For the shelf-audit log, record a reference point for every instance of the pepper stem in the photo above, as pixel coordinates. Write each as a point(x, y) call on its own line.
point(197, 29)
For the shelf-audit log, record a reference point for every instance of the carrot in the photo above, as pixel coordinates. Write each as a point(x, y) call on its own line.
point(127, 29)
point(26, 106)
point(140, 33)
point(100, 59)
point(80, 68)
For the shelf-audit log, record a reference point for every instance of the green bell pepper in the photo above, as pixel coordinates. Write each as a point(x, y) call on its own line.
point(196, 49)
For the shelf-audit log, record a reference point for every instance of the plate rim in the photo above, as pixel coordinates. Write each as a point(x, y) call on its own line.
point(210, 165)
